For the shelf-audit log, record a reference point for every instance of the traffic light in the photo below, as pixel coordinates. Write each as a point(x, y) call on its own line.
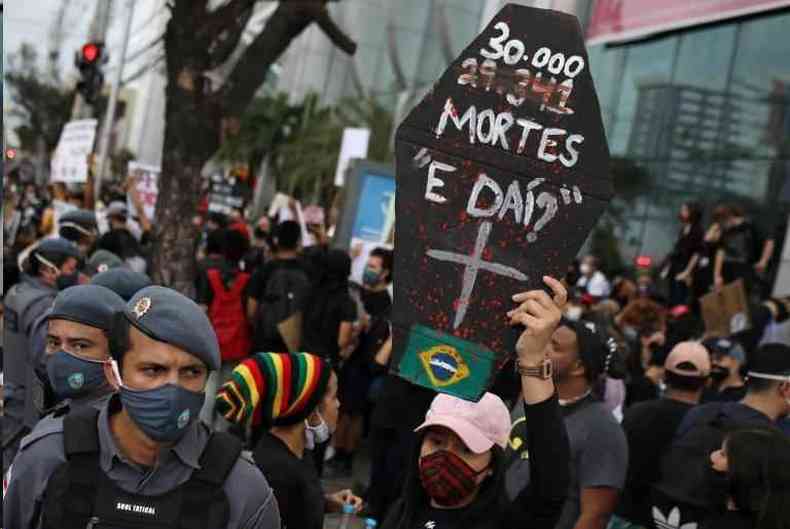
point(89, 61)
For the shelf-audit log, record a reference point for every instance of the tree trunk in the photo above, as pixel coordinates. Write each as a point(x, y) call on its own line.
point(191, 139)
point(193, 112)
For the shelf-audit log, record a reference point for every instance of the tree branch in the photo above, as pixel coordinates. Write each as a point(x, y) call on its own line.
point(226, 17)
point(285, 24)
point(335, 34)
point(228, 39)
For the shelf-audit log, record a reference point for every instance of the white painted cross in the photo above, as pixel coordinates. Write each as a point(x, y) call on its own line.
point(472, 265)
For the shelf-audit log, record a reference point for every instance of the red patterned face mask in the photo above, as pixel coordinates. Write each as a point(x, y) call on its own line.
point(447, 479)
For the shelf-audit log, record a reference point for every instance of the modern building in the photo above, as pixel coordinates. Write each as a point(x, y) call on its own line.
point(694, 95)
point(700, 105)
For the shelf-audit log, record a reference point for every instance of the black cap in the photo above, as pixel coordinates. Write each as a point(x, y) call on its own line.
point(595, 348)
point(770, 360)
point(168, 316)
point(76, 223)
point(718, 347)
point(90, 305)
point(123, 281)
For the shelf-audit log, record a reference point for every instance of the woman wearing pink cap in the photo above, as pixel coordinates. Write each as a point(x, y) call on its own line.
point(457, 477)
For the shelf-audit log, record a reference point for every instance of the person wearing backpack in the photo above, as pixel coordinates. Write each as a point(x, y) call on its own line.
point(277, 292)
point(221, 293)
point(687, 490)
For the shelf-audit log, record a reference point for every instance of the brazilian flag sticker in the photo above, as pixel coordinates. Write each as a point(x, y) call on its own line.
point(446, 363)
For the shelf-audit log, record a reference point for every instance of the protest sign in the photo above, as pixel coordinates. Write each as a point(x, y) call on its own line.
point(147, 185)
point(354, 145)
point(502, 171)
point(227, 195)
point(70, 160)
point(726, 311)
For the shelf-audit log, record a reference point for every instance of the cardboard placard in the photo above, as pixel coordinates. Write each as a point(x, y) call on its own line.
point(227, 195)
point(502, 171)
point(354, 145)
point(70, 160)
point(726, 311)
point(147, 187)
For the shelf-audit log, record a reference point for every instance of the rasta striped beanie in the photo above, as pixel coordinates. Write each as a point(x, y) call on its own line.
point(274, 389)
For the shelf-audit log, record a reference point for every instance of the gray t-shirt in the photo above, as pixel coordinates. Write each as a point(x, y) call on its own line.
point(599, 454)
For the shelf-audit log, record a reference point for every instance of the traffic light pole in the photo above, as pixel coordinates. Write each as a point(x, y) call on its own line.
point(109, 118)
point(97, 33)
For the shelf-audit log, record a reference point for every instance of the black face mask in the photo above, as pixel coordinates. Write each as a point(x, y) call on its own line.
point(718, 374)
point(65, 281)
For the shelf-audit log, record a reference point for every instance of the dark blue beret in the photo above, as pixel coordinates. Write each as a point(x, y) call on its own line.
point(57, 247)
point(169, 316)
point(87, 304)
point(123, 281)
point(84, 218)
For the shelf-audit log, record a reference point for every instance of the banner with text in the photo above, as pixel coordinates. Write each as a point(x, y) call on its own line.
point(70, 160)
point(502, 171)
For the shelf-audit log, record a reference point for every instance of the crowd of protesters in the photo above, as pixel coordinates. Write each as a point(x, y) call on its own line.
point(645, 419)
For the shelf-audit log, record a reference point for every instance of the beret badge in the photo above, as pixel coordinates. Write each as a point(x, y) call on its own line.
point(142, 306)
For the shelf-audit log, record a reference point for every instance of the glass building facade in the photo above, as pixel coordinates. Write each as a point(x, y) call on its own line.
point(700, 114)
point(697, 114)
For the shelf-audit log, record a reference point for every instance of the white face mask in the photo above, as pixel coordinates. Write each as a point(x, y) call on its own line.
point(574, 313)
point(315, 435)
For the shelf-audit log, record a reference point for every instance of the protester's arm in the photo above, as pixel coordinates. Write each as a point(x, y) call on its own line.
point(540, 504)
point(692, 264)
point(382, 358)
point(765, 258)
point(718, 280)
point(601, 469)
point(134, 196)
point(345, 335)
point(597, 506)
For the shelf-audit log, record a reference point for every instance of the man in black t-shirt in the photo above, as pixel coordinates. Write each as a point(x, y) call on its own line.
point(743, 253)
point(287, 261)
point(356, 375)
point(650, 427)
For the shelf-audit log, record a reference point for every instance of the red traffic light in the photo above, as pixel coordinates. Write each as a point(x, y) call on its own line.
point(10, 153)
point(644, 261)
point(91, 52)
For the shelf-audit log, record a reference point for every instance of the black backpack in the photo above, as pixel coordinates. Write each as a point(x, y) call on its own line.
point(284, 295)
point(79, 494)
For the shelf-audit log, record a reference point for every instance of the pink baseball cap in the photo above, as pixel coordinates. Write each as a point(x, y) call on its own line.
point(480, 425)
point(693, 353)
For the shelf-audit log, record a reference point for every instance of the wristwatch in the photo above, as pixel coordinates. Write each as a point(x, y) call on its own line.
point(542, 370)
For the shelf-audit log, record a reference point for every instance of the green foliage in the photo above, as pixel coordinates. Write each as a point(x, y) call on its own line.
point(42, 106)
point(303, 140)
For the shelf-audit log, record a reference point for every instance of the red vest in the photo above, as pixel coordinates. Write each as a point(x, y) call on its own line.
point(228, 316)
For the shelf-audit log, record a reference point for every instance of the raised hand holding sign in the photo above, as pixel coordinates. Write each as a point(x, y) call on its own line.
point(502, 171)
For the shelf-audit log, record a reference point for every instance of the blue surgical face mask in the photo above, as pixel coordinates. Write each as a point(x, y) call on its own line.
point(71, 376)
point(370, 277)
point(162, 413)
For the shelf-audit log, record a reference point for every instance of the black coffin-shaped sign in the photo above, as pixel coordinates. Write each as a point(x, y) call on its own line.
point(502, 171)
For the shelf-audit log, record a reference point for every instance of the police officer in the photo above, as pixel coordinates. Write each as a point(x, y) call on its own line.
point(80, 227)
point(143, 460)
point(77, 347)
point(52, 266)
